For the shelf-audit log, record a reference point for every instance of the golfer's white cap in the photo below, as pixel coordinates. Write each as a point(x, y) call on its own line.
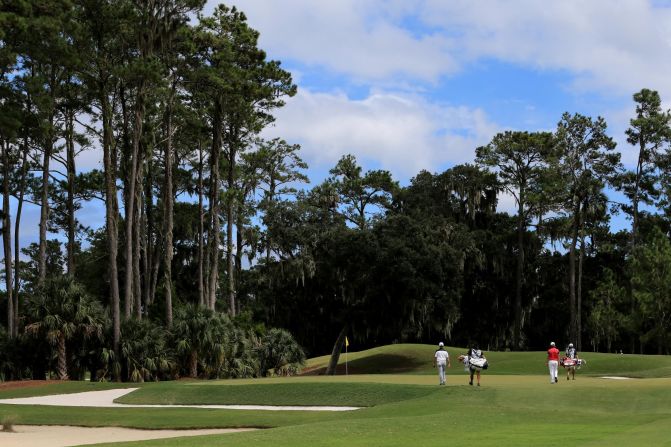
point(552, 343)
point(570, 345)
point(441, 344)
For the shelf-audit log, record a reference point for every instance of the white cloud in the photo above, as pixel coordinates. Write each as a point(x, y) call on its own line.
point(362, 39)
point(401, 133)
point(612, 47)
point(605, 44)
point(618, 121)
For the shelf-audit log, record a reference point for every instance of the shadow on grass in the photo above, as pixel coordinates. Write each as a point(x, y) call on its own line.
point(374, 364)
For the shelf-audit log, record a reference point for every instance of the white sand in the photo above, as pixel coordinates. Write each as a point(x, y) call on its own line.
point(86, 399)
point(106, 399)
point(66, 436)
point(616, 377)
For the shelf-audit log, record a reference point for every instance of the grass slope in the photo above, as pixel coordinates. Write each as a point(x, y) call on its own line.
point(516, 406)
point(418, 359)
point(297, 393)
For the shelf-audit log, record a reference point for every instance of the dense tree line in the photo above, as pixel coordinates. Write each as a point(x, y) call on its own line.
point(175, 110)
point(211, 239)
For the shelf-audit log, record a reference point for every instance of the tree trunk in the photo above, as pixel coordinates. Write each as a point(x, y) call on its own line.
point(148, 242)
point(130, 207)
point(44, 207)
point(111, 213)
point(70, 147)
point(7, 238)
point(168, 199)
point(128, 249)
point(207, 258)
point(335, 354)
point(193, 364)
point(230, 265)
point(230, 206)
point(137, 230)
point(239, 244)
point(17, 230)
point(201, 228)
point(519, 272)
point(573, 322)
point(271, 199)
point(153, 243)
point(62, 359)
point(214, 210)
point(635, 198)
point(154, 271)
point(581, 258)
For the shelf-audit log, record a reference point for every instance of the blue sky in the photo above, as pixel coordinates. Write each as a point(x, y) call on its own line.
point(407, 85)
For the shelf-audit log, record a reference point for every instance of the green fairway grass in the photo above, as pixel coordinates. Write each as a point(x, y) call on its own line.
point(515, 406)
point(299, 393)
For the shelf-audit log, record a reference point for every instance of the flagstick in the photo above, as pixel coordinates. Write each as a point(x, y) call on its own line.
point(345, 359)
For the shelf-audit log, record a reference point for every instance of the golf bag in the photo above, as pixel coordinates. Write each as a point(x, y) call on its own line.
point(572, 363)
point(478, 363)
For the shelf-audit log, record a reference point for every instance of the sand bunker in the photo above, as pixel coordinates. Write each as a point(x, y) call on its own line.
point(616, 377)
point(65, 436)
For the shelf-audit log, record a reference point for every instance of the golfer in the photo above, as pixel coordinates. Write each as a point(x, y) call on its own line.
point(441, 359)
point(571, 353)
point(474, 353)
point(553, 362)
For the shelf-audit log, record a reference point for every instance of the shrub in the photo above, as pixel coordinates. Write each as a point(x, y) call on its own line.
point(279, 354)
point(145, 354)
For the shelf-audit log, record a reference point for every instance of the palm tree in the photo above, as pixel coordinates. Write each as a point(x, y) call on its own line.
point(61, 310)
point(144, 350)
point(194, 334)
point(279, 352)
point(238, 358)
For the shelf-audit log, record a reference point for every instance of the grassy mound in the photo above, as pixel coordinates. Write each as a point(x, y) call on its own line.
point(418, 359)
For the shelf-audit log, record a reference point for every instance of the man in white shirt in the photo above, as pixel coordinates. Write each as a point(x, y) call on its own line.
point(572, 354)
point(441, 359)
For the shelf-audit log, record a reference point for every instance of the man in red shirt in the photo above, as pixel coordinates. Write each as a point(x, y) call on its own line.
point(553, 362)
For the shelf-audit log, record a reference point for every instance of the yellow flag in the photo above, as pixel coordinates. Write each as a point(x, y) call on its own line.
point(346, 342)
